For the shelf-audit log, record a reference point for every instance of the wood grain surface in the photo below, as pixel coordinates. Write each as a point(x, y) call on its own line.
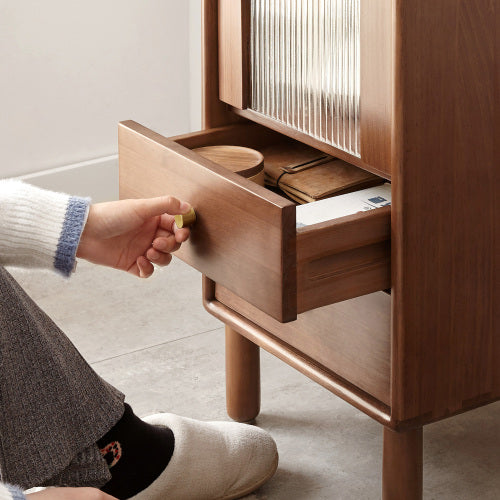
point(350, 339)
point(429, 76)
point(337, 260)
point(445, 212)
point(234, 48)
point(244, 236)
point(311, 141)
point(376, 71)
point(244, 161)
point(402, 466)
point(343, 258)
point(215, 113)
point(242, 377)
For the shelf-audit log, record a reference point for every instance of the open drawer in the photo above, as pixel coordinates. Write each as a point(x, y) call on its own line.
point(245, 236)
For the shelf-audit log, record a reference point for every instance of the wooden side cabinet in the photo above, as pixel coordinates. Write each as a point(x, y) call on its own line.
point(425, 119)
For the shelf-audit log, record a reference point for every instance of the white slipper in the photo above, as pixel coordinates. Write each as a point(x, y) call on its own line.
point(212, 460)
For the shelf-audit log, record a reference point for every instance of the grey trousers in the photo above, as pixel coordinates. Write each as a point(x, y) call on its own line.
point(53, 406)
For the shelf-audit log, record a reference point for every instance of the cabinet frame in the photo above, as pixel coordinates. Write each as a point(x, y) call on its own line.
point(437, 117)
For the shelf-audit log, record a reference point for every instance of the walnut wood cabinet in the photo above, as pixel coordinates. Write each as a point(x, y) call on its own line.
point(314, 296)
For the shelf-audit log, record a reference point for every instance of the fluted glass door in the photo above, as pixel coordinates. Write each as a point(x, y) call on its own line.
point(305, 67)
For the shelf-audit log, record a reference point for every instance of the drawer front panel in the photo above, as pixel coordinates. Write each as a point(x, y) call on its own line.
point(244, 236)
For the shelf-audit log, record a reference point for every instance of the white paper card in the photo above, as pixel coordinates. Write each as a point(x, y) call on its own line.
point(344, 204)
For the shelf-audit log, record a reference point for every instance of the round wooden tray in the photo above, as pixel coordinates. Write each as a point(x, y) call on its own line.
point(246, 162)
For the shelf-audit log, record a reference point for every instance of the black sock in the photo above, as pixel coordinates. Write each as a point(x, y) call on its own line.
point(136, 453)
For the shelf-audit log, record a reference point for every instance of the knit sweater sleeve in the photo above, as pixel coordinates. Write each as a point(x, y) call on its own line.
point(39, 228)
point(8, 492)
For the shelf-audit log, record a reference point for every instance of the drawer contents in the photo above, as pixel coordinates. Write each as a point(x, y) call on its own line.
point(305, 174)
point(246, 162)
point(346, 204)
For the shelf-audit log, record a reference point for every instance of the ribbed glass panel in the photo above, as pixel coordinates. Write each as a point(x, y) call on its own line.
point(305, 67)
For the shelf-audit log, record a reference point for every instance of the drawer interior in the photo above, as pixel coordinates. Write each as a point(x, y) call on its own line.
point(245, 237)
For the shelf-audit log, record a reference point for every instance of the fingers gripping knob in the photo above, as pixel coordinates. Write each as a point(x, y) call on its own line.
point(185, 220)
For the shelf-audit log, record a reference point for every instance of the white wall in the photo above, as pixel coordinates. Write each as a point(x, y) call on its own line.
point(70, 71)
point(195, 62)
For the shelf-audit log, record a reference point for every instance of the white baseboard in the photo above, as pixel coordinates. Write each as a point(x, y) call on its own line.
point(95, 178)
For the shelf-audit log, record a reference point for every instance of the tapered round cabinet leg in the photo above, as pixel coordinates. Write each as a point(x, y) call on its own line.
point(402, 475)
point(242, 377)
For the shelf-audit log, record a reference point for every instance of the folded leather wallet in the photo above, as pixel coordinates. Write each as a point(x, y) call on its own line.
point(306, 174)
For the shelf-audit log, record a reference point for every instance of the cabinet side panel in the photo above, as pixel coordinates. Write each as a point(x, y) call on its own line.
point(445, 209)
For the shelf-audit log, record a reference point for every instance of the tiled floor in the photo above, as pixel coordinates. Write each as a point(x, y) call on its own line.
point(154, 341)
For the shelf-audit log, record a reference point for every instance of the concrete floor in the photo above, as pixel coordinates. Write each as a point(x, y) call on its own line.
point(154, 341)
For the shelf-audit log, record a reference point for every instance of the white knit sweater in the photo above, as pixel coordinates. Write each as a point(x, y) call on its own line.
point(8, 492)
point(39, 228)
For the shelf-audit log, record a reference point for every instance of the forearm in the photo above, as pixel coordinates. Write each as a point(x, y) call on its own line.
point(8, 492)
point(39, 228)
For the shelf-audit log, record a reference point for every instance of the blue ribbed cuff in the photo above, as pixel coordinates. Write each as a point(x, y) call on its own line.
point(16, 493)
point(64, 260)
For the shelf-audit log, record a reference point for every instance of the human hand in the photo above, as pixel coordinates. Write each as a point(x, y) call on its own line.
point(69, 494)
point(132, 234)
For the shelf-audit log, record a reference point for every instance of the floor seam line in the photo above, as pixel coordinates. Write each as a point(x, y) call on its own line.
point(153, 346)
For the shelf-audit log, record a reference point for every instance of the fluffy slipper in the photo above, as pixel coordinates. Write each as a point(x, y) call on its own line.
point(212, 460)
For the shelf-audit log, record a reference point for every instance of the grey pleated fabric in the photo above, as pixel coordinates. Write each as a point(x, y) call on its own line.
point(53, 406)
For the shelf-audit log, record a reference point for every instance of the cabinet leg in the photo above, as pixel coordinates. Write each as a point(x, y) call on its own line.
point(242, 377)
point(402, 474)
